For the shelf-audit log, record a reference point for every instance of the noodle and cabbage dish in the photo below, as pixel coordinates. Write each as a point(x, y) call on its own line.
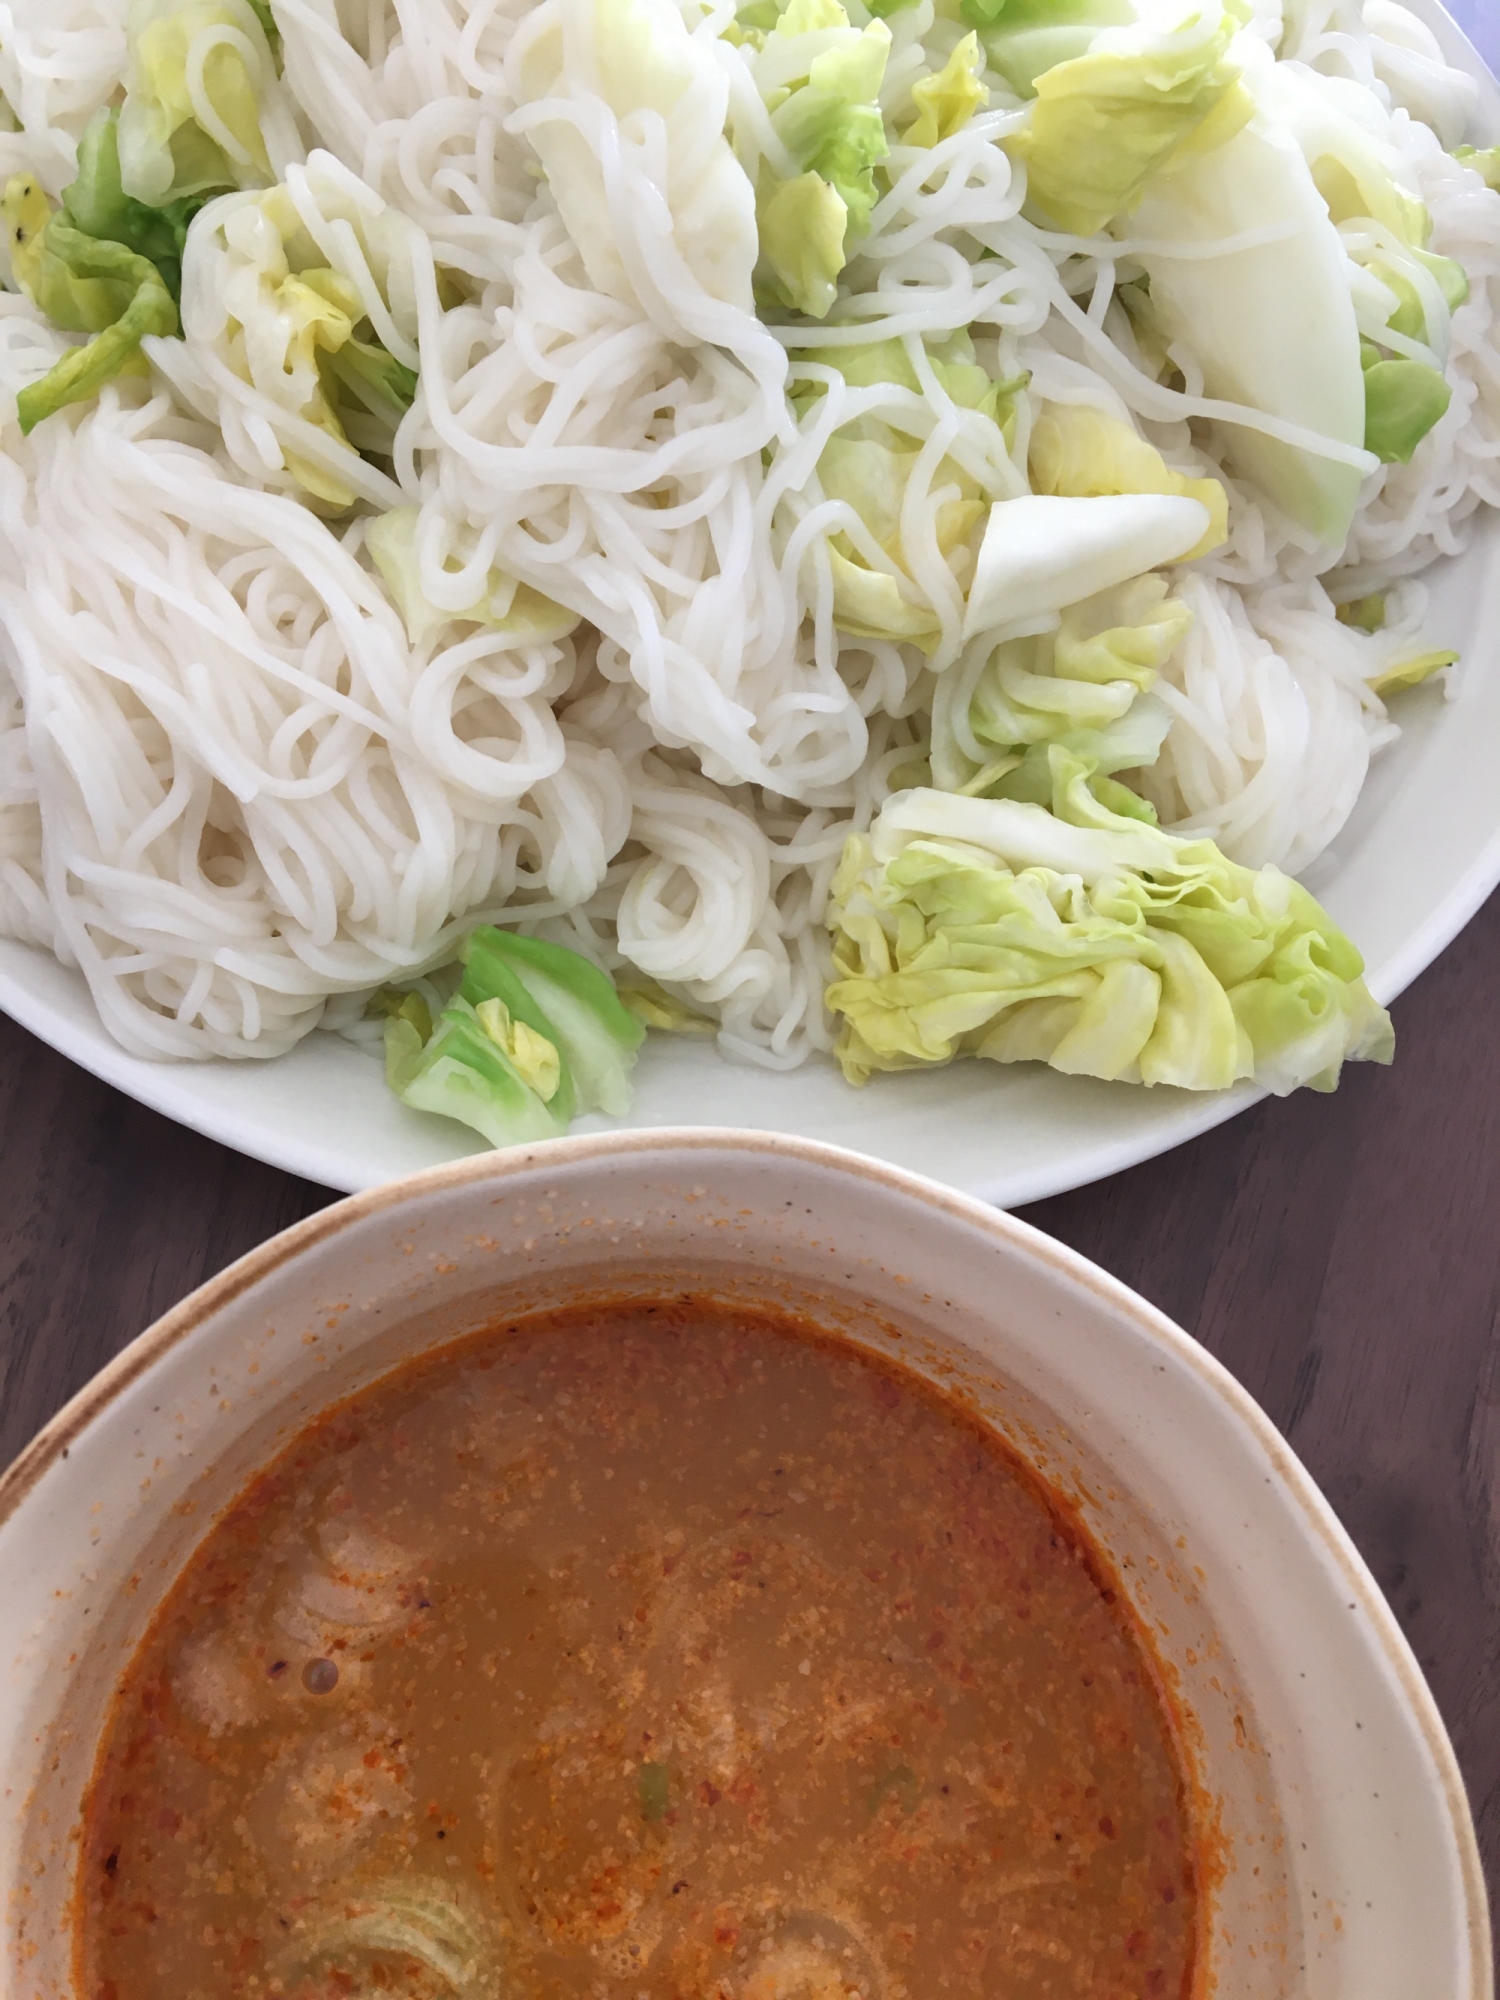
point(877, 529)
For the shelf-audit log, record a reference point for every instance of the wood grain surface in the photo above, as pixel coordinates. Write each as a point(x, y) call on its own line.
point(1341, 1255)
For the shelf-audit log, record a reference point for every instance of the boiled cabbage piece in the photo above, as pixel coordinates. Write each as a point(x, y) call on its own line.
point(534, 1037)
point(1081, 686)
point(1403, 400)
point(867, 462)
point(1272, 324)
point(1025, 38)
point(1400, 287)
point(948, 98)
point(1485, 161)
point(1089, 941)
point(201, 77)
point(1082, 452)
point(110, 263)
point(1410, 673)
point(638, 56)
point(259, 290)
point(1041, 552)
point(96, 203)
point(83, 285)
point(820, 77)
point(505, 605)
point(1108, 117)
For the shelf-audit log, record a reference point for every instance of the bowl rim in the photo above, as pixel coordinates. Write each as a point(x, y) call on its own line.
point(49, 1447)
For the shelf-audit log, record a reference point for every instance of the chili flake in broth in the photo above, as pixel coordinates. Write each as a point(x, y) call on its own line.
point(662, 1651)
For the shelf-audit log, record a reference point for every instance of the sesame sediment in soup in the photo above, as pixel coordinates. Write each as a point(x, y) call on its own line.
point(642, 1650)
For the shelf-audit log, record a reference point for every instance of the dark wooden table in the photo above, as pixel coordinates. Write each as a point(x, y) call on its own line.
point(1341, 1255)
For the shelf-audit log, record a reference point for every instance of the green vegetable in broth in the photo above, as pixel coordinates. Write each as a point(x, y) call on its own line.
point(652, 1783)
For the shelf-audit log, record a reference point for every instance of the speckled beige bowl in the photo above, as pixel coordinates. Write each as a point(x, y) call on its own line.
point(1349, 1869)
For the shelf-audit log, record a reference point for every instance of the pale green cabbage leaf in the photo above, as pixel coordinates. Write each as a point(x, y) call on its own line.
point(1403, 400)
point(1272, 325)
point(1370, 190)
point(948, 98)
point(1025, 38)
point(522, 613)
point(1091, 755)
point(298, 330)
point(867, 464)
point(802, 223)
point(1105, 122)
point(191, 120)
point(534, 1036)
point(1410, 673)
point(640, 57)
point(96, 203)
point(1043, 551)
point(821, 79)
point(83, 285)
point(1485, 161)
point(1082, 451)
point(1081, 686)
point(1080, 938)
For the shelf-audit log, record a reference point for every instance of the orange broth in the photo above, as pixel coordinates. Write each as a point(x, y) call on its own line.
point(649, 1652)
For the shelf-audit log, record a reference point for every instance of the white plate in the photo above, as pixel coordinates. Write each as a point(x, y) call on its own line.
point(1416, 860)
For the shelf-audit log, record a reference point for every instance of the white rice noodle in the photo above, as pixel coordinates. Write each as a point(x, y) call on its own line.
point(1273, 724)
point(59, 63)
point(238, 815)
point(236, 364)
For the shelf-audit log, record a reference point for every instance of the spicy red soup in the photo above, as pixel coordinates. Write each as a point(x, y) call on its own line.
point(662, 1651)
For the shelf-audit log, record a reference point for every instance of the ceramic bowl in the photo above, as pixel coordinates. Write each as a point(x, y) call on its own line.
point(1344, 1859)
